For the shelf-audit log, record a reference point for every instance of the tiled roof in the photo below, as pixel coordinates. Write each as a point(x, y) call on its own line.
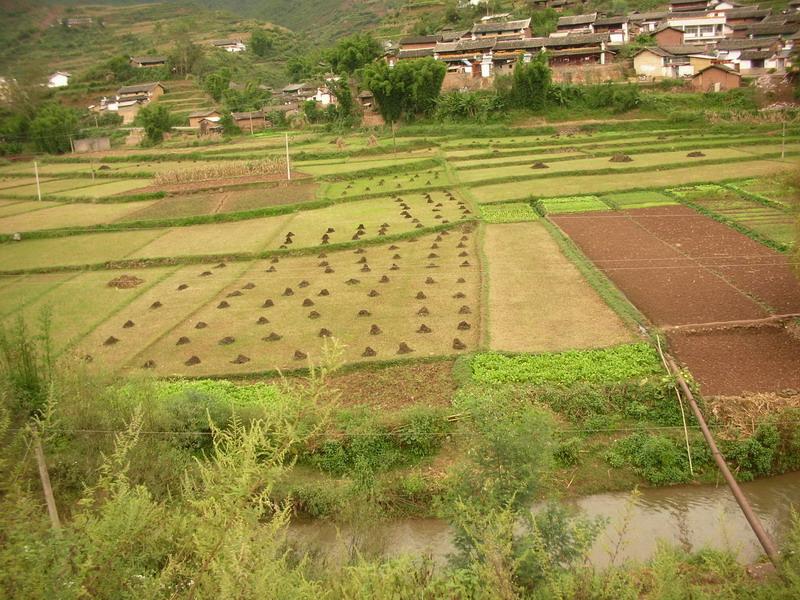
point(501, 26)
point(577, 20)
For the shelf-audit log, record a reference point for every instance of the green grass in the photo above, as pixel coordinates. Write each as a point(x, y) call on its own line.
point(773, 223)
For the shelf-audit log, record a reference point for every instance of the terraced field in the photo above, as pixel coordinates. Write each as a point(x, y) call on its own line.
point(427, 246)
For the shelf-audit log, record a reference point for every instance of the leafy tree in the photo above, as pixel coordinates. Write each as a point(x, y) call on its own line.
point(543, 22)
point(229, 126)
point(353, 53)
point(299, 68)
point(261, 43)
point(409, 89)
point(345, 108)
point(186, 56)
point(251, 97)
point(156, 120)
point(117, 69)
point(53, 128)
point(531, 82)
point(217, 83)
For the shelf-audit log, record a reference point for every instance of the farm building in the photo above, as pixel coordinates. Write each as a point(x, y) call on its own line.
point(145, 62)
point(366, 99)
point(141, 91)
point(211, 115)
point(251, 121)
point(716, 78)
point(230, 45)
point(58, 79)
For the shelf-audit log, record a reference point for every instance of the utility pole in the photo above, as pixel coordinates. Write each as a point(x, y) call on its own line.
point(46, 487)
point(288, 164)
point(783, 141)
point(38, 187)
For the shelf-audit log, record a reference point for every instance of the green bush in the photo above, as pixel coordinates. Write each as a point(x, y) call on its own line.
point(567, 452)
point(658, 459)
point(753, 457)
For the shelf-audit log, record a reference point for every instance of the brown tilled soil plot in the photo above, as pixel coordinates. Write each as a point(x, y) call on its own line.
point(740, 361)
point(680, 267)
point(209, 203)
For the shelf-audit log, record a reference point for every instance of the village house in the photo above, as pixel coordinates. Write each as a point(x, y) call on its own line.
point(746, 15)
point(467, 56)
point(730, 51)
point(502, 30)
point(145, 62)
point(700, 27)
point(771, 29)
point(671, 62)
point(58, 79)
point(143, 91)
point(324, 96)
point(646, 22)
point(366, 99)
point(230, 45)
point(716, 78)
point(617, 27)
point(251, 121)
point(295, 92)
point(410, 55)
point(72, 22)
point(668, 36)
point(676, 6)
point(419, 42)
point(210, 115)
point(576, 24)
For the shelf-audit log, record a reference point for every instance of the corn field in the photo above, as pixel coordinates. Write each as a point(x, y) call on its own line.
point(224, 170)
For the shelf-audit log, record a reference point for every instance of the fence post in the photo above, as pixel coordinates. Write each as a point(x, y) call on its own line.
point(46, 487)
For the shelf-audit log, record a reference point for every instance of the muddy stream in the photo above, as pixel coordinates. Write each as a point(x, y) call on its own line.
point(692, 517)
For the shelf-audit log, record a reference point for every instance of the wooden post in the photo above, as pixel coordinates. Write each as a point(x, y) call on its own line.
point(46, 487)
point(783, 141)
point(251, 122)
point(38, 187)
point(288, 164)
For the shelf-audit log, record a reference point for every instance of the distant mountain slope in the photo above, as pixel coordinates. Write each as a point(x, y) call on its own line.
point(328, 18)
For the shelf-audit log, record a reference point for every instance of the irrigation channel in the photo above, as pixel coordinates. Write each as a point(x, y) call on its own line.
point(692, 517)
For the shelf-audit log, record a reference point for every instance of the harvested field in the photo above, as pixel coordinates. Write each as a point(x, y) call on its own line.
point(218, 238)
point(69, 215)
point(387, 184)
point(576, 184)
point(150, 322)
point(379, 216)
point(81, 302)
point(15, 207)
point(741, 361)
point(76, 250)
point(539, 300)
point(278, 313)
point(176, 207)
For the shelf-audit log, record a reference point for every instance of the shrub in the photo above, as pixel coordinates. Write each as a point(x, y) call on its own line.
point(567, 452)
point(659, 459)
point(753, 457)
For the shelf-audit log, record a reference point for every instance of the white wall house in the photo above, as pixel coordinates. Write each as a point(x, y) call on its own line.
point(230, 45)
point(58, 79)
point(700, 29)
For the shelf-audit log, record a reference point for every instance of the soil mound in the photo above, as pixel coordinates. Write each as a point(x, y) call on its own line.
point(125, 282)
point(620, 158)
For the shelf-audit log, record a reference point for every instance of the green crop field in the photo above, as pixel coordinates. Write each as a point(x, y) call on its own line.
point(774, 223)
